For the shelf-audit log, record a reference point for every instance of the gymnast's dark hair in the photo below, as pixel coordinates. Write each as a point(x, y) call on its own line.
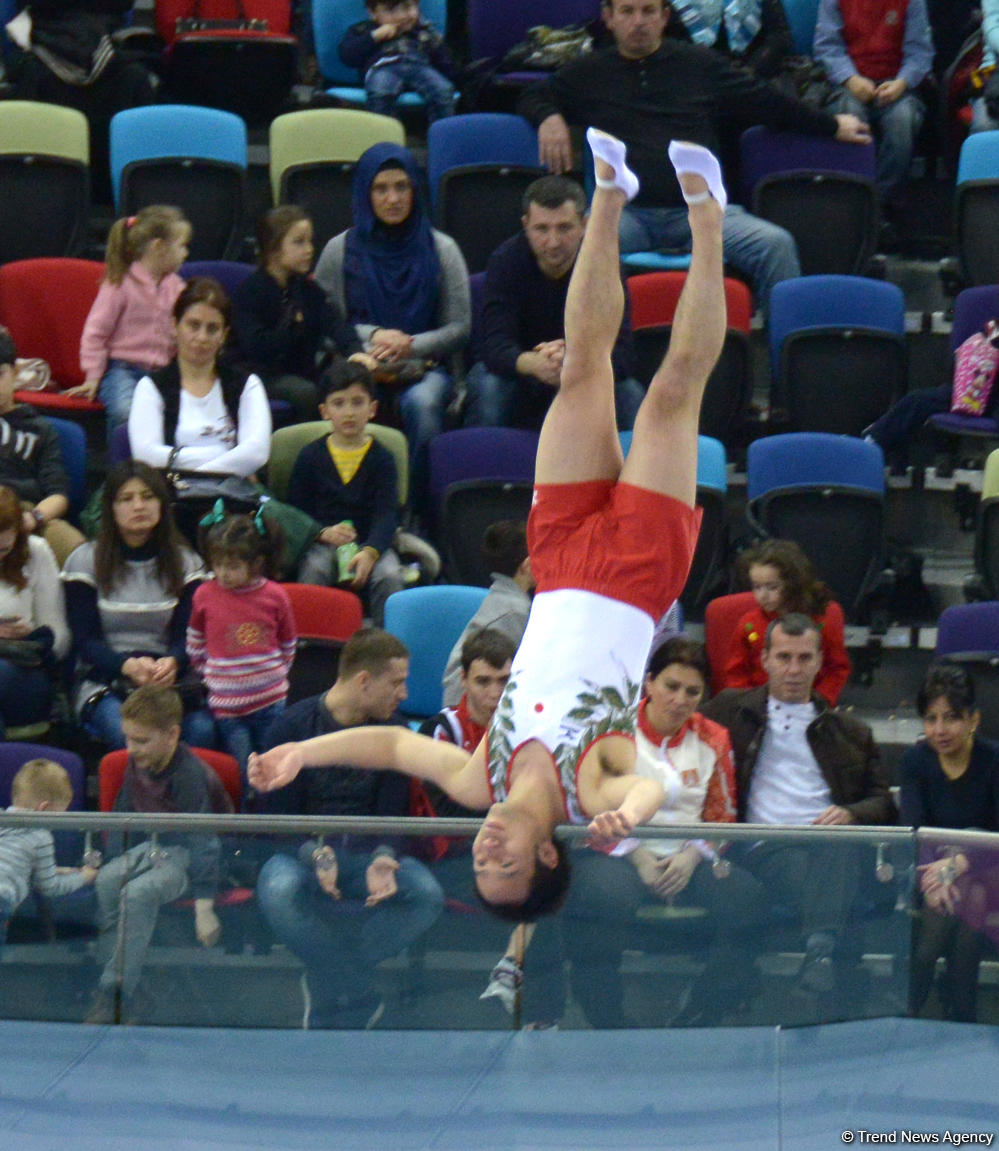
point(549, 888)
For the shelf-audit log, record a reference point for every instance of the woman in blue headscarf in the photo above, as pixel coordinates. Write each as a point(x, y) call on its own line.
point(404, 287)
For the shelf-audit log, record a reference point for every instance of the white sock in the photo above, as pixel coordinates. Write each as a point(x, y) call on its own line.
point(686, 157)
point(612, 151)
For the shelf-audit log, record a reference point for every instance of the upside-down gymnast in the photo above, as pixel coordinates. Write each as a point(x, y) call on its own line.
point(611, 543)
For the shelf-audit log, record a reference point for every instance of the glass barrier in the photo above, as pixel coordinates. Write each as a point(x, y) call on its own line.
point(353, 923)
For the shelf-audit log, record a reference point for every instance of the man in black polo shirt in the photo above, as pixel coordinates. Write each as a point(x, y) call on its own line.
point(649, 91)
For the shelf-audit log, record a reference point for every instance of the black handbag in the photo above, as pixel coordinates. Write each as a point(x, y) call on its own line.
point(239, 493)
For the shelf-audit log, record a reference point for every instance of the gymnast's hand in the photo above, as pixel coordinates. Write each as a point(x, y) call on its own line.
point(609, 826)
point(275, 768)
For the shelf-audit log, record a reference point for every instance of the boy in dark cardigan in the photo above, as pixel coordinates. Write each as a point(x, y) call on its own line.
point(347, 481)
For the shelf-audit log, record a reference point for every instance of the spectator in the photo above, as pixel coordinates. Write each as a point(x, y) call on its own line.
point(783, 580)
point(65, 54)
point(951, 779)
point(241, 635)
point(508, 601)
point(523, 316)
point(753, 33)
point(195, 414)
point(649, 91)
point(128, 597)
point(981, 119)
point(485, 669)
point(879, 52)
point(31, 462)
point(347, 482)
point(129, 331)
point(344, 909)
point(33, 629)
point(799, 762)
point(404, 286)
point(396, 50)
point(282, 322)
point(692, 758)
point(27, 854)
point(162, 775)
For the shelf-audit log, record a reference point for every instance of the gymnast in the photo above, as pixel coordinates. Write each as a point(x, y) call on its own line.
point(611, 543)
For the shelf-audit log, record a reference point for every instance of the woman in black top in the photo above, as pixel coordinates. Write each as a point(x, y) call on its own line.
point(282, 321)
point(951, 779)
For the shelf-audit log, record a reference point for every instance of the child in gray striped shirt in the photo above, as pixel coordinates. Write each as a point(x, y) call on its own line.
point(27, 854)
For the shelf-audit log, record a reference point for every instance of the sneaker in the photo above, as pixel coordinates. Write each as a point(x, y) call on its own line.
point(410, 545)
point(817, 972)
point(504, 983)
point(360, 1013)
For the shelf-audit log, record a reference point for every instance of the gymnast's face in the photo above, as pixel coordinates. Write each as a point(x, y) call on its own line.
point(506, 853)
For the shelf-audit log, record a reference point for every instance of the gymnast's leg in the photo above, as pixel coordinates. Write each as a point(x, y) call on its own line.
point(579, 439)
point(663, 453)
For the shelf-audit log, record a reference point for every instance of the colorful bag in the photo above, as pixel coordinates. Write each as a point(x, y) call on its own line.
point(975, 364)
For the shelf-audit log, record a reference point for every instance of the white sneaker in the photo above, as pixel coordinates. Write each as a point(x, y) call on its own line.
point(504, 983)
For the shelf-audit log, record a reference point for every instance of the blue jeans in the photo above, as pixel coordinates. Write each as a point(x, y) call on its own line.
point(494, 401)
point(245, 733)
point(762, 251)
point(341, 941)
point(422, 408)
point(104, 724)
point(385, 83)
point(116, 390)
point(895, 129)
point(25, 695)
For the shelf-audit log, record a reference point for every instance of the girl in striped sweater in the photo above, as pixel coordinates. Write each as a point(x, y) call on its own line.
point(241, 635)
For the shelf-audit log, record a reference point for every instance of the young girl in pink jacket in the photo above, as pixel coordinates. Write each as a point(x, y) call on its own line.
point(129, 331)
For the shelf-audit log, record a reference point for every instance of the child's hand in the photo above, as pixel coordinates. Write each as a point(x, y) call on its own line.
point(384, 32)
point(85, 391)
point(89, 874)
point(361, 566)
point(339, 534)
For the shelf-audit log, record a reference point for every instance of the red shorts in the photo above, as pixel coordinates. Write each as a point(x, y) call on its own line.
point(612, 538)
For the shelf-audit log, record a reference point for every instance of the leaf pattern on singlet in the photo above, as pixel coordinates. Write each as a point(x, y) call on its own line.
point(500, 730)
point(600, 709)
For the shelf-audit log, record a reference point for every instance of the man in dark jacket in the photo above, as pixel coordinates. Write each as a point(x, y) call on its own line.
point(798, 762)
point(522, 340)
point(343, 908)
